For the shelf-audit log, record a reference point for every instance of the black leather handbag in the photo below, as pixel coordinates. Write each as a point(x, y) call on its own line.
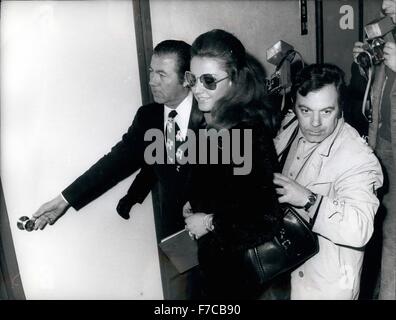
point(293, 244)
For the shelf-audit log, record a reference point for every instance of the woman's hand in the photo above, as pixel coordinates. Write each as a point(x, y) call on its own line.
point(195, 224)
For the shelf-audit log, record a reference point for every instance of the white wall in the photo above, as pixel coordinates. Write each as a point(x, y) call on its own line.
point(69, 89)
point(259, 24)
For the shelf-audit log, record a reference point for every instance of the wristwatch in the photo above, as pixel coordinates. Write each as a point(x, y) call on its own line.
point(311, 201)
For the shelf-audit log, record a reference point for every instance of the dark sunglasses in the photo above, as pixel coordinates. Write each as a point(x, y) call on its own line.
point(208, 80)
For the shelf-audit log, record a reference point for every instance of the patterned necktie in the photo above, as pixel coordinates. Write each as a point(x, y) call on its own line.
point(173, 138)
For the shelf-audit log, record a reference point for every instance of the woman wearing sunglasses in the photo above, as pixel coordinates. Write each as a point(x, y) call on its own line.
point(228, 213)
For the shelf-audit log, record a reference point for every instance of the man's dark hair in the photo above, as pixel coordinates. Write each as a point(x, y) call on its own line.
point(181, 49)
point(317, 76)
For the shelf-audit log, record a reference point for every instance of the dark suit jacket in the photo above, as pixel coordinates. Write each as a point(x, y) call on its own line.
point(126, 157)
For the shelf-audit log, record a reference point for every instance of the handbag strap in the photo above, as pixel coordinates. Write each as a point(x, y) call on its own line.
point(285, 152)
point(313, 219)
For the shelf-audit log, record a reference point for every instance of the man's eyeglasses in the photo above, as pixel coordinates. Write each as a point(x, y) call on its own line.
point(208, 80)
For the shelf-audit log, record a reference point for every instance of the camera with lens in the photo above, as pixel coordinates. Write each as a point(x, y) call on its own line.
point(274, 83)
point(373, 53)
point(378, 32)
point(280, 54)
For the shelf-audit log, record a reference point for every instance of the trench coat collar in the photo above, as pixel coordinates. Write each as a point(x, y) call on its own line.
point(324, 147)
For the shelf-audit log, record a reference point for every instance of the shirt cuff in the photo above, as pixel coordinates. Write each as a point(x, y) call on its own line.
point(63, 197)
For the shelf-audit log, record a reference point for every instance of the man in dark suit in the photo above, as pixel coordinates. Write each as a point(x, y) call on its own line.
point(169, 62)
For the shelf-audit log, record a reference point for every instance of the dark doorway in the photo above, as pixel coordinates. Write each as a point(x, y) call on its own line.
point(10, 281)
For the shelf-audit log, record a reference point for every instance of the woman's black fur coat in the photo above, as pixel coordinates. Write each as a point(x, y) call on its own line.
point(245, 207)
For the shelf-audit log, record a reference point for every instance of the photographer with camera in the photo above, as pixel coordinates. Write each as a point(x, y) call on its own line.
point(378, 64)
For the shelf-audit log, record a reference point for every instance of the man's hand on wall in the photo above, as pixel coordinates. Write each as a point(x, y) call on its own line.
point(390, 55)
point(290, 191)
point(50, 212)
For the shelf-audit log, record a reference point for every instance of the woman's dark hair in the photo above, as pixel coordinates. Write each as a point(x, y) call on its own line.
point(246, 100)
point(316, 76)
point(182, 51)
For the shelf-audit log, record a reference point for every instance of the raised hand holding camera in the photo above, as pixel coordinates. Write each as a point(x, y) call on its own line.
point(378, 33)
point(378, 48)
